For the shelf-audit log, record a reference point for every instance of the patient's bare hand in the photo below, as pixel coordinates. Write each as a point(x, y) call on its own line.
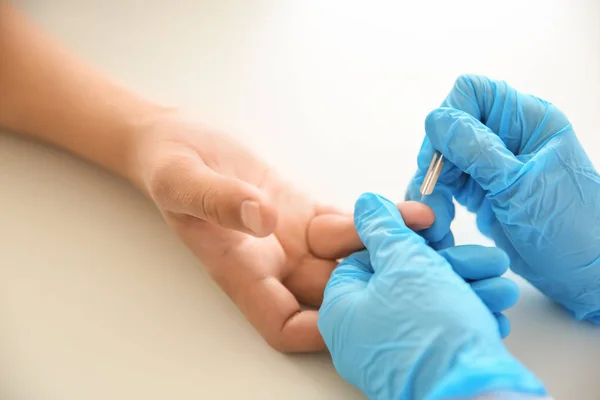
point(269, 246)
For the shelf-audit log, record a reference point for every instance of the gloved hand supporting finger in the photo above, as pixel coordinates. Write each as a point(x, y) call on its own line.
point(350, 277)
point(383, 232)
point(482, 267)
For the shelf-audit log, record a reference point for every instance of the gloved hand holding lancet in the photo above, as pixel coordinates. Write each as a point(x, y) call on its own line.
point(515, 161)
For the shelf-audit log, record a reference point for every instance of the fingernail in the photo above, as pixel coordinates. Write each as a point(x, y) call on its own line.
point(251, 218)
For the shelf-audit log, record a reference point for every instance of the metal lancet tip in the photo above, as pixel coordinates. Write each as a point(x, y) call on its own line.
point(432, 175)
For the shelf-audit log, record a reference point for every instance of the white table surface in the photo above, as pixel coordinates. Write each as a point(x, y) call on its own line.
point(99, 300)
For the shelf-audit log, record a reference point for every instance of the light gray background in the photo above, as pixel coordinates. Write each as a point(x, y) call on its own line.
point(99, 300)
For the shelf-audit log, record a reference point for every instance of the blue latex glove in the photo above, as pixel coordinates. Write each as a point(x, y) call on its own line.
point(481, 267)
point(401, 324)
point(514, 160)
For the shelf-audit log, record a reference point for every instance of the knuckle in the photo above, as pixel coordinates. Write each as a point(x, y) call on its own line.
point(158, 181)
point(163, 179)
point(278, 343)
point(208, 203)
point(466, 82)
point(279, 338)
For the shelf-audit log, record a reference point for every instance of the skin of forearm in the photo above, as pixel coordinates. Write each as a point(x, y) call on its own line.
point(48, 94)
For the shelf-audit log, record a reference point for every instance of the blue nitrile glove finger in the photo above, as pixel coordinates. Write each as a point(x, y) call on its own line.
point(532, 186)
point(482, 268)
point(444, 243)
point(503, 324)
point(401, 324)
point(498, 294)
point(474, 262)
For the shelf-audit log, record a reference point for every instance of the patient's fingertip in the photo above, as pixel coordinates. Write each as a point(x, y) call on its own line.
point(417, 216)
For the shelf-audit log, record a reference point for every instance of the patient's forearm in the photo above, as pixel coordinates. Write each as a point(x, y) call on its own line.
point(48, 94)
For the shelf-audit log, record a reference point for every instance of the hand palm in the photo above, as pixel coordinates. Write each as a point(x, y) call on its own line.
point(268, 276)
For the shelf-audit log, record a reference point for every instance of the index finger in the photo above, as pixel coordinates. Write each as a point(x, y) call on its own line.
point(333, 236)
